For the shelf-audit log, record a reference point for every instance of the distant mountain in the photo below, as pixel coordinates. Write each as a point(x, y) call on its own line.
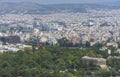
point(35, 8)
point(19, 7)
point(112, 4)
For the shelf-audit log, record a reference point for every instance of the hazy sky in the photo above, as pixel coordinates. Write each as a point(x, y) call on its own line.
point(59, 1)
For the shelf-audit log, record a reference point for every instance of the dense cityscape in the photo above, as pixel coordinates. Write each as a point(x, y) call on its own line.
point(60, 44)
point(94, 26)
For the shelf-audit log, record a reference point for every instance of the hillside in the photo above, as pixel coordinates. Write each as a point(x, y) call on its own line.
point(35, 8)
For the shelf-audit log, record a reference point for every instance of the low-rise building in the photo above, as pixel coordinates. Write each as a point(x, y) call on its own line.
point(99, 61)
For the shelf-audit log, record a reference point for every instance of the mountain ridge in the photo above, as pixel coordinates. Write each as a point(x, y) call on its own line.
point(36, 8)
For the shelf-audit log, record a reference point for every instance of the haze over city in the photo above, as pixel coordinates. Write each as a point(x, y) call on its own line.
point(61, 1)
